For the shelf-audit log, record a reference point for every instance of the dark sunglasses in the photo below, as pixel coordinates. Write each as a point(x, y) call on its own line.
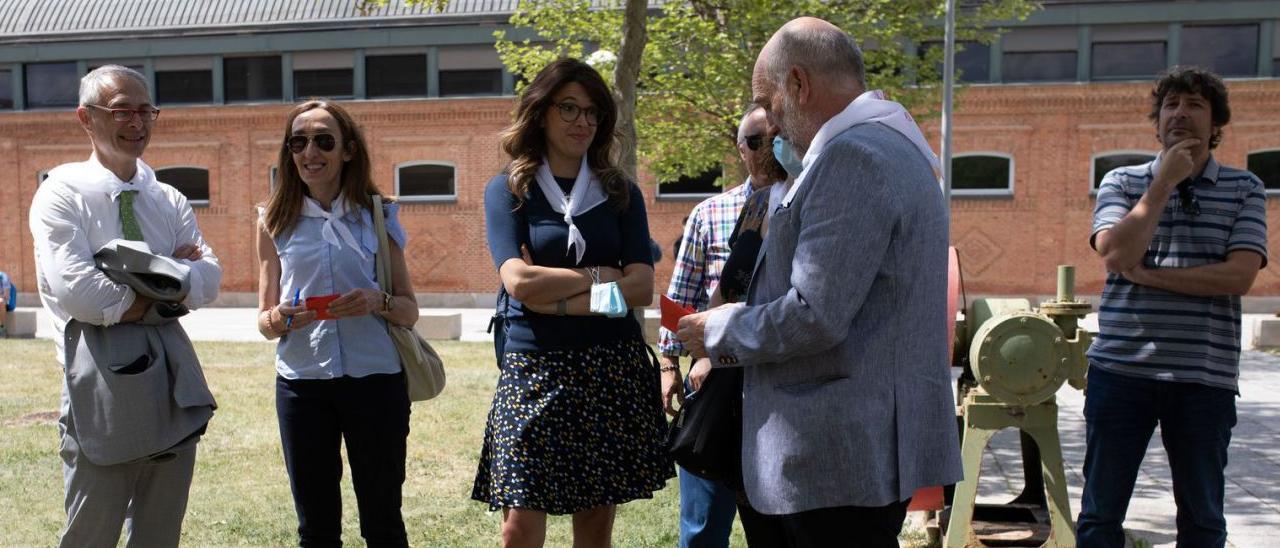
point(1187, 199)
point(298, 143)
point(754, 142)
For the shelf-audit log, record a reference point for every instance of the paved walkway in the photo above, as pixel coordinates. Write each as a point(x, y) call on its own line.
point(1253, 487)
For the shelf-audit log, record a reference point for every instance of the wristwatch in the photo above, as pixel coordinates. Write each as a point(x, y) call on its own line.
point(387, 302)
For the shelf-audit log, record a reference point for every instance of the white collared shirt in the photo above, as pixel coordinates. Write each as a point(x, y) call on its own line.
point(75, 213)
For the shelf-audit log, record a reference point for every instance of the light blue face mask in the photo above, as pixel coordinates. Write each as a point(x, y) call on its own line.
point(607, 299)
point(786, 155)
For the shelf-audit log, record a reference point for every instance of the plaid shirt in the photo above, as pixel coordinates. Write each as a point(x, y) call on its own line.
point(703, 251)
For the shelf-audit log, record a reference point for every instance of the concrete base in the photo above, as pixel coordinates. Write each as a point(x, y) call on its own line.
point(21, 323)
point(439, 326)
point(1266, 333)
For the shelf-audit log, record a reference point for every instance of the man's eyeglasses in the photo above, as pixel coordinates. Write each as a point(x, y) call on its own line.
point(146, 114)
point(298, 143)
point(1187, 199)
point(754, 142)
point(569, 112)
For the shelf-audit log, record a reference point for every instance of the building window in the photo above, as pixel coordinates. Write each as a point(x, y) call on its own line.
point(252, 78)
point(184, 86)
point(191, 181)
point(184, 80)
point(1229, 50)
point(323, 74)
point(1107, 161)
point(982, 174)
point(689, 188)
point(1039, 66)
point(52, 85)
point(1126, 60)
point(471, 82)
point(1039, 54)
point(426, 182)
point(470, 70)
point(1266, 165)
point(6, 89)
point(395, 75)
point(973, 60)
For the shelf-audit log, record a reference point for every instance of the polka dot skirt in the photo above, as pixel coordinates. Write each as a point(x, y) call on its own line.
point(570, 430)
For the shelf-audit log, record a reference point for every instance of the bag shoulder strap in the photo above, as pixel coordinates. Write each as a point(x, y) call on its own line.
point(383, 257)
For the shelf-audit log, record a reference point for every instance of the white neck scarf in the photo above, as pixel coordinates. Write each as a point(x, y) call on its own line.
point(333, 226)
point(869, 107)
point(587, 193)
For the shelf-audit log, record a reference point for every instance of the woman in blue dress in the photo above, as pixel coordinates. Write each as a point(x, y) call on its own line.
point(576, 426)
point(338, 373)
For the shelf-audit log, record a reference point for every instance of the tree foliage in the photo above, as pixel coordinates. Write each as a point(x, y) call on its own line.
point(694, 77)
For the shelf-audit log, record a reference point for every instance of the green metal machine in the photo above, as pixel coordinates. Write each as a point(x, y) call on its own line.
point(1017, 359)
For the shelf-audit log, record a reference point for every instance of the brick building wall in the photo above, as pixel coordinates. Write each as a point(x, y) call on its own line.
point(1008, 245)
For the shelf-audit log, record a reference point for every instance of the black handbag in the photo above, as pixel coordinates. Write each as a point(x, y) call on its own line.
point(706, 436)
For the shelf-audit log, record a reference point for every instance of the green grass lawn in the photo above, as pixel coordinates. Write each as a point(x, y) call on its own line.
point(240, 496)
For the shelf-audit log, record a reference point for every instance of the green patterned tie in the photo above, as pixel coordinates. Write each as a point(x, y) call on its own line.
point(128, 219)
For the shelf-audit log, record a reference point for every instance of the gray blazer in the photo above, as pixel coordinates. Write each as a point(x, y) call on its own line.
point(846, 394)
point(132, 390)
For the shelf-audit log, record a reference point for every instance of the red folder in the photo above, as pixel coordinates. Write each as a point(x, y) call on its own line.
point(672, 312)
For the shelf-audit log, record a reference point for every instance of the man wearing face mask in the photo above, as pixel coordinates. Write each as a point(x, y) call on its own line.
point(1182, 238)
point(707, 507)
point(847, 405)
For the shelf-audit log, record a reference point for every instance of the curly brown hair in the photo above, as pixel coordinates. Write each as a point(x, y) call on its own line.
point(526, 142)
point(284, 206)
point(1197, 80)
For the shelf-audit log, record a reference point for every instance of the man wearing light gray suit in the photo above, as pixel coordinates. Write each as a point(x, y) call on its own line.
point(134, 400)
point(847, 406)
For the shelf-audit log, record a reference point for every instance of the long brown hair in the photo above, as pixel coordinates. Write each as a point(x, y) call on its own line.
point(355, 184)
point(525, 140)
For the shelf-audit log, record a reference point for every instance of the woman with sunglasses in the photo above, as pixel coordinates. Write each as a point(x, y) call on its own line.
point(339, 376)
point(576, 426)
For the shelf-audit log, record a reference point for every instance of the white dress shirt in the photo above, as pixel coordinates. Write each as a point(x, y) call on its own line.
point(75, 213)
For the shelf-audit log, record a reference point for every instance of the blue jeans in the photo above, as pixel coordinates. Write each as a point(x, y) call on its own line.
point(706, 509)
point(1121, 413)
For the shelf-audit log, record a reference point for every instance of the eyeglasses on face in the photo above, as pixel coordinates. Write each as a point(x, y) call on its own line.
point(569, 112)
point(754, 142)
point(146, 114)
point(1187, 199)
point(298, 143)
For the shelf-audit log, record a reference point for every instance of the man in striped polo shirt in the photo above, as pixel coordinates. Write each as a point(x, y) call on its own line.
point(1183, 238)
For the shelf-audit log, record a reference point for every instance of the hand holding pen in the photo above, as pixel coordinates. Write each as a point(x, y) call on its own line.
point(295, 315)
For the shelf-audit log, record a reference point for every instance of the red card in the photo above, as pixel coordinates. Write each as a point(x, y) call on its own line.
point(672, 312)
point(321, 306)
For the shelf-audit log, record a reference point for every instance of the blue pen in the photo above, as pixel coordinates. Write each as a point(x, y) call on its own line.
point(288, 322)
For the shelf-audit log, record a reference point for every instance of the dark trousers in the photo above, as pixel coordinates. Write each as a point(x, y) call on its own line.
point(860, 526)
point(372, 415)
point(1195, 422)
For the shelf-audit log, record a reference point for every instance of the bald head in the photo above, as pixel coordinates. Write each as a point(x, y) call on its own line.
point(808, 72)
point(829, 54)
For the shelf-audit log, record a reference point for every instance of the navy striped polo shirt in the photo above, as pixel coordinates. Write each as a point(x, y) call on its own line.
point(1153, 333)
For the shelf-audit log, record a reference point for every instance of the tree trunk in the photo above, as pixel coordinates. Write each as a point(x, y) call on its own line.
point(625, 74)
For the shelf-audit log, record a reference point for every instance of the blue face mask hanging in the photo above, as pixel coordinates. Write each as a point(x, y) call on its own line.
point(607, 299)
point(786, 155)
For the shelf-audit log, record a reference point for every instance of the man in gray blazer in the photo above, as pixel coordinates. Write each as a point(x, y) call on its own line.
point(847, 406)
point(134, 400)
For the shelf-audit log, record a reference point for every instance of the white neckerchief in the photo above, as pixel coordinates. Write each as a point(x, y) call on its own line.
point(333, 227)
point(869, 107)
point(587, 193)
